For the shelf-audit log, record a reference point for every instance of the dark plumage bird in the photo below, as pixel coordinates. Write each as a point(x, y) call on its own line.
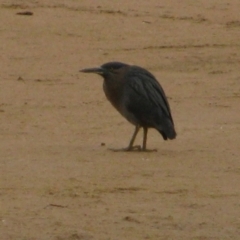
point(139, 97)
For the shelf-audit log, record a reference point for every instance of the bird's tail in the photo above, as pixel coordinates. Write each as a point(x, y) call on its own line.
point(167, 130)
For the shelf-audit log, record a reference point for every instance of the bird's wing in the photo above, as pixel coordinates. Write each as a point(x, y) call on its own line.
point(147, 87)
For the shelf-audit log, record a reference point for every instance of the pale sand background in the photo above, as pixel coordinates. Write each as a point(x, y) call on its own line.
point(58, 182)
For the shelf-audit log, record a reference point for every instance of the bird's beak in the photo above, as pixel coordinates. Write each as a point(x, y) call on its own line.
point(98, 70)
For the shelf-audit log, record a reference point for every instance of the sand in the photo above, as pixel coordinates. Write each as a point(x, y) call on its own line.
point(59, 180)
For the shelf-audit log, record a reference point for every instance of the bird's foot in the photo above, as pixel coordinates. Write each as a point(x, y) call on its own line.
point(136, 148)
point(127, 149)
point(149, 150)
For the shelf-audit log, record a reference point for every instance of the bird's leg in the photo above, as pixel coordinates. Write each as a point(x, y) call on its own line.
point(130, 146)
point(144, 146)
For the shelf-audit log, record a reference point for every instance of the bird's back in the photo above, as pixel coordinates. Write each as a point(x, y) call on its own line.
point(144, 102)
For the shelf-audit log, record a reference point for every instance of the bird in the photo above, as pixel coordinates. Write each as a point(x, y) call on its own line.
point(137, 95)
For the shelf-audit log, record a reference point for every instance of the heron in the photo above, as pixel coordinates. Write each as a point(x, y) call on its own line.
point(137, 95)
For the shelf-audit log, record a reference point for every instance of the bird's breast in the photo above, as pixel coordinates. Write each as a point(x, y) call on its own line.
point(116, 95)
point(113, 94)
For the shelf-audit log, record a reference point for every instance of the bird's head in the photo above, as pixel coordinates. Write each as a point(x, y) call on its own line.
point(107, 69)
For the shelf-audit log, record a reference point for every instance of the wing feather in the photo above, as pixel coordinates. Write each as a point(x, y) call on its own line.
point(145, 86)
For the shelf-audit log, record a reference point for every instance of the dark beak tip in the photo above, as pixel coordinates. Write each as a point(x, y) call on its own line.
point(92, 70)
point(85, 70)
